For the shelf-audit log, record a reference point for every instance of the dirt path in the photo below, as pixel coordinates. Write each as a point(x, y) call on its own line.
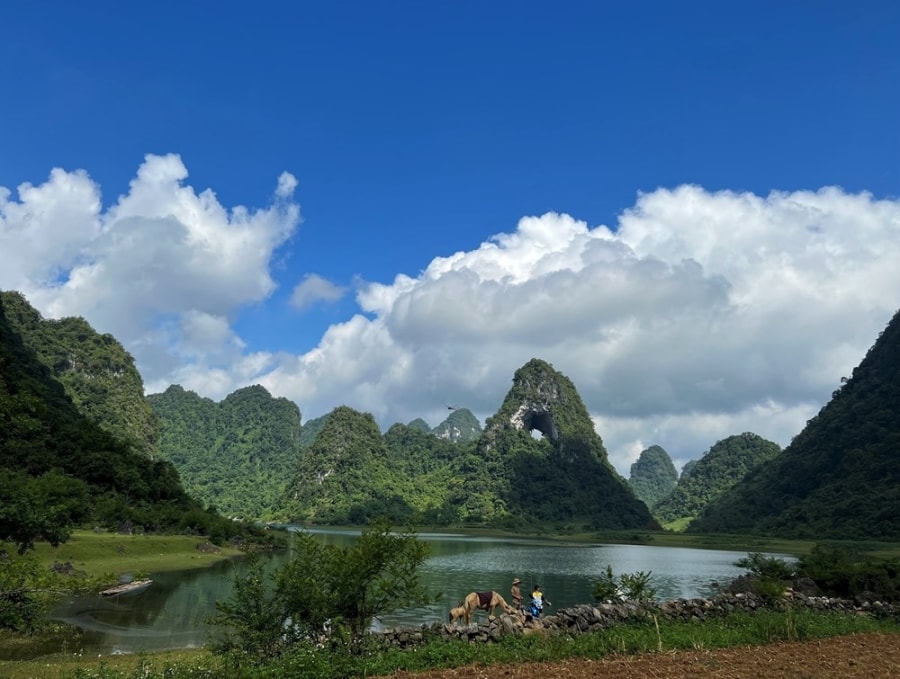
point(866, 656)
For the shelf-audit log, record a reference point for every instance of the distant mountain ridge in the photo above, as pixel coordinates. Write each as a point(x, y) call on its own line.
point(720, 468)
point(350, 472)
point(71, 401)
point(461, 426)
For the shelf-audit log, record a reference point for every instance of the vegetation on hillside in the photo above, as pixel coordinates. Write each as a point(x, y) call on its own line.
point(461, 426)
point(840, 477)
point(564, 476)
point(719, 469)
point(687, 469)
point(420, 425)
point(55, 460)
point(653, 475)
point(310, 430)
point(237, 455)
point(59, 469)
point(95, 371)
point(344, 476)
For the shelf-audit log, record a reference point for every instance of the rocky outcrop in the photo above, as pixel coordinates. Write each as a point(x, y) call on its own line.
point(461, 426)
point(546, 462)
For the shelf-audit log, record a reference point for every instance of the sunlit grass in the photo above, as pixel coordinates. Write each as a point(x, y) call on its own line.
point(102, 553)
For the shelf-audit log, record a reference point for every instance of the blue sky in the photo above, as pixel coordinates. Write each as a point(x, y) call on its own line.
point(646, 139)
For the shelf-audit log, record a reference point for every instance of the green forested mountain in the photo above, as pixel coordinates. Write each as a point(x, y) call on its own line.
point(57, 466)
point(461, 426)
point(344, 476)
point(722, 466)
point(564, 476)
point(351, 473)
point(95, 371)
point(840, 477)
point(237, 455)
point(687, 469)
point(653, 476)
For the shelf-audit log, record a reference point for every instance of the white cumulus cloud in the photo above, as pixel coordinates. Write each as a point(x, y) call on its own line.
point(313, 288)
point(700, 315)
point(696, 316)
point(163, 269)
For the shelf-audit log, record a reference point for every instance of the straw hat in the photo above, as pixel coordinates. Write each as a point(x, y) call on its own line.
point(516, 581)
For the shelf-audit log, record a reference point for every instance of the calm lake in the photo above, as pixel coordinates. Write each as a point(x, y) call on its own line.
point(171, 613)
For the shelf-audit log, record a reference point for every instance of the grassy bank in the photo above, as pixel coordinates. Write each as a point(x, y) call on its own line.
point(102, 553)
point(742, 629)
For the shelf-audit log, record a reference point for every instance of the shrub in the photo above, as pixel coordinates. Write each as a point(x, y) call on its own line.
point(634, 586)
point(324, 593)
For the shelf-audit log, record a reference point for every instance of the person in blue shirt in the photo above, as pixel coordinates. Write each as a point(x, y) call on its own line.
point(537, 602)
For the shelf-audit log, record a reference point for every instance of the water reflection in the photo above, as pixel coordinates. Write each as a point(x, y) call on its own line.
point(172, 613)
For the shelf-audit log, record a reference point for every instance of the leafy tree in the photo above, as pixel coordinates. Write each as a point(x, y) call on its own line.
point(323, 592)
point(764, 566)
point(39, 508)
point(634, 586)
point(24, 598)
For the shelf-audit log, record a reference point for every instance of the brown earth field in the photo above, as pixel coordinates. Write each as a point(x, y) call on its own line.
point(869, 656)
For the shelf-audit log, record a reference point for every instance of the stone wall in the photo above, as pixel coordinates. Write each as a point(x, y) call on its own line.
point(587, 618)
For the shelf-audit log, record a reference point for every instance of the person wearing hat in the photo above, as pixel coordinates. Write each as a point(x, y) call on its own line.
point(516, 594)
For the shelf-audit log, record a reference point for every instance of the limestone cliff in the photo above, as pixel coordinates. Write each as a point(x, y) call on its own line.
point(542, 459)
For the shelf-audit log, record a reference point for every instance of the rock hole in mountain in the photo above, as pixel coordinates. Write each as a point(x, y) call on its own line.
point(540, 424)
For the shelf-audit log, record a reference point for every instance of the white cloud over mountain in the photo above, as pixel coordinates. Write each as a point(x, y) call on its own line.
point(697, 316)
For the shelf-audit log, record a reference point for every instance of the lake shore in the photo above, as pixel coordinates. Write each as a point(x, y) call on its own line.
point(99, 554)
point(104, 553)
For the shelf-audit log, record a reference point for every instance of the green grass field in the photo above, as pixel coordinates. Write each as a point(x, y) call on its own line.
point(103, 553)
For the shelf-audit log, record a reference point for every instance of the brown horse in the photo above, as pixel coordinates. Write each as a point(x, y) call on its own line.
point(486, 601)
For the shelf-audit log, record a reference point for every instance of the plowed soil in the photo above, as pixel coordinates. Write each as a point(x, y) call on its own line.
point(869, 656)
